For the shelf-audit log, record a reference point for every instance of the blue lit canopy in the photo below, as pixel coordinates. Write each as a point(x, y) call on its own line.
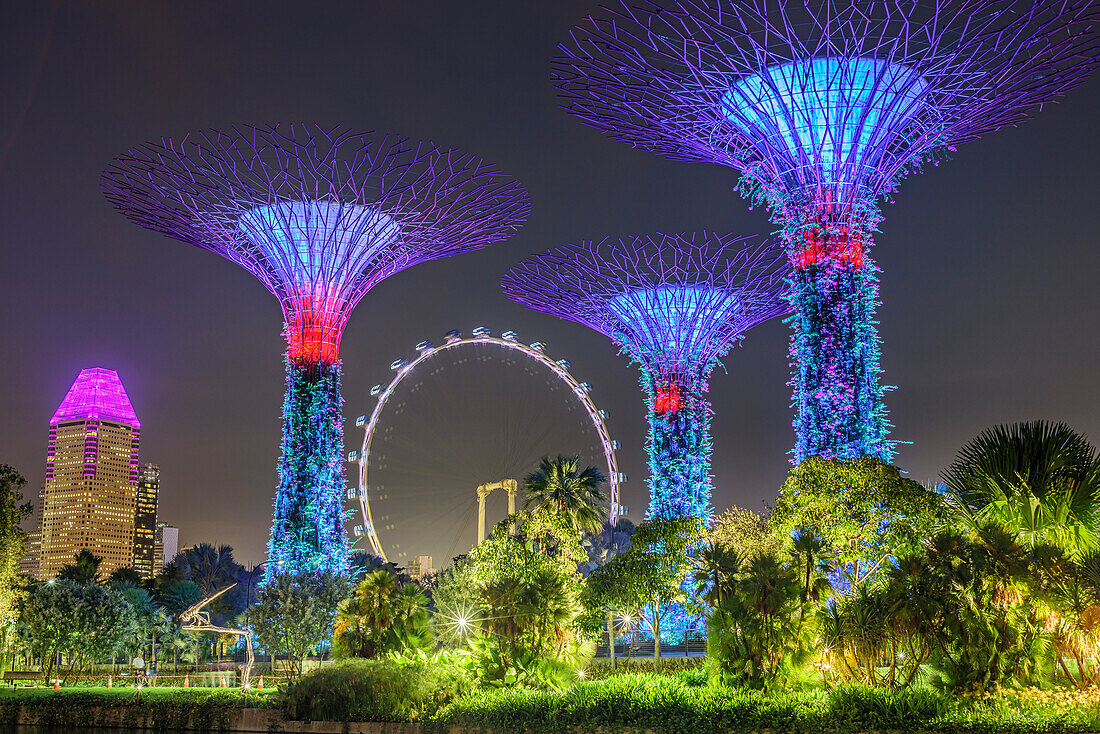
point(673, 325)
point(319, 245)
point(829, 120)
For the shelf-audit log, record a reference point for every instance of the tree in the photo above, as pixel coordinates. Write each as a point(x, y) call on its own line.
point(86, 622)
point(649, 579)
point(1038, 479)
point(746, 533)
point(967, 597)
point(122, 577)
point(294, 613)
point(12, 540)
point(83, 570)
point(757, 620)
point(863, 509)
point(382, 616)
point(211, 567)
point(561, 486)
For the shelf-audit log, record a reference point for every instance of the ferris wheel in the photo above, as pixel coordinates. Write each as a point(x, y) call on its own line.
point(379, 504)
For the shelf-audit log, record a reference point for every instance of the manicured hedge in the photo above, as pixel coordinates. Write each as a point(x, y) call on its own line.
point(163, 708)
point(373, 690)
point(666, 705)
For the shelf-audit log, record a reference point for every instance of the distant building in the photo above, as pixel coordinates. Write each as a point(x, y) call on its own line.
point(166, 546)
point(89, 497)
point(419, 567)
point(145, 520)
point(32, 555)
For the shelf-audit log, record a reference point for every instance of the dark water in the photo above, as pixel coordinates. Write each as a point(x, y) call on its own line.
point(83, 730)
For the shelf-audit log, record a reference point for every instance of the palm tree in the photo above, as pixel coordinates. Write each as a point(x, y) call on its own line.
point(1038, 479)
point(562, 487)
point(209, 566)
point(83, 570)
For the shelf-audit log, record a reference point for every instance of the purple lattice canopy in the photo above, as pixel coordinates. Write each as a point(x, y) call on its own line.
point(318, 216)
point(97, 394)
point(824, 101)
point(675, 303)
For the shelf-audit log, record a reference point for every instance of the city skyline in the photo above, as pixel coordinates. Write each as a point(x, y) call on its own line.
point(1008, 295)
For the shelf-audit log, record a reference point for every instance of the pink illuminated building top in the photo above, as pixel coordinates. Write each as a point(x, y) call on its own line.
point(97, 394)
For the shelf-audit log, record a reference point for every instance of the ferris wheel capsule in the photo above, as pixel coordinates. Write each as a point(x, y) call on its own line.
point(375, 390)
point(480, 331)
point(424, 345)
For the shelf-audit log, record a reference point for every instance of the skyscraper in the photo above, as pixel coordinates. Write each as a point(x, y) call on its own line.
point(88, 501)
point(166, 546)
point(145, 520)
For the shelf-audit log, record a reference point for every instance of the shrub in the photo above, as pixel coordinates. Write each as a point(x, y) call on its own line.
point(390, 689)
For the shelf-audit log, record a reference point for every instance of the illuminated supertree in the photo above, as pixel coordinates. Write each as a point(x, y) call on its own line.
point(824, 106)
point(675, 304)
point(319, 216)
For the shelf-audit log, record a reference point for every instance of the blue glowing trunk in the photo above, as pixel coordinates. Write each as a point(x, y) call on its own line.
point(679, 448)
point(835, 358)
point(308, 530)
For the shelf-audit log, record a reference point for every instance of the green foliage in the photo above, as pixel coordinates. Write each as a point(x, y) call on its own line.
point(965, 596)
point(83, 570)
point(665, 704)
point(382, 616)
point(745, 533)
point(12, 539)
point(390, 689)
point(864, 510)
point(1038, 479)
point(294, 613)
point(760, 618)
point(159, 709)
point(85, 622)
point(649, 578)
point(527, 605)
point(562, 487)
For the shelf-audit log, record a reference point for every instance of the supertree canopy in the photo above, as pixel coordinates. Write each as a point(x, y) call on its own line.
point(319, 216)
point(676, 305)
point(824, 106)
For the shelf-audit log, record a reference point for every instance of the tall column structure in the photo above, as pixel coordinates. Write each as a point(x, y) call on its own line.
point(824, 106)
point(145, 520)
point(319, 216)
point(675, 304)
point(91, 476)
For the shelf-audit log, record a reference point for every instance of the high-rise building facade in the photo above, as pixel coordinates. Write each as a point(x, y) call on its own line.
point(420, 567)
point(89, 498)
point(145, 520)
point(166, 546)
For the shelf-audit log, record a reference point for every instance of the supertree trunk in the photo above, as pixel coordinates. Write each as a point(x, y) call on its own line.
point(678, 447)
point(308, 530)
point(835, 353)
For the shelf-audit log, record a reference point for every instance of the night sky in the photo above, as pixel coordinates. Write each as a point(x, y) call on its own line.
point(990, 261)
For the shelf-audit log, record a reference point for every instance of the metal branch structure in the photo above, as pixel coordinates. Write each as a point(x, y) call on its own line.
point(318, 216)
point(824, 106)
point(675, 304)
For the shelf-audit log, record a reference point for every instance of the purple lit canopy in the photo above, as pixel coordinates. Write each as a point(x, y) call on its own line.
point(318, 215)
point(675, 303)
point(96, 394)
point(825, 97)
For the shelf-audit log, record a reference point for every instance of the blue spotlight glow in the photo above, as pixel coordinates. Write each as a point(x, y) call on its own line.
point(674, 322)
point(831, 114)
